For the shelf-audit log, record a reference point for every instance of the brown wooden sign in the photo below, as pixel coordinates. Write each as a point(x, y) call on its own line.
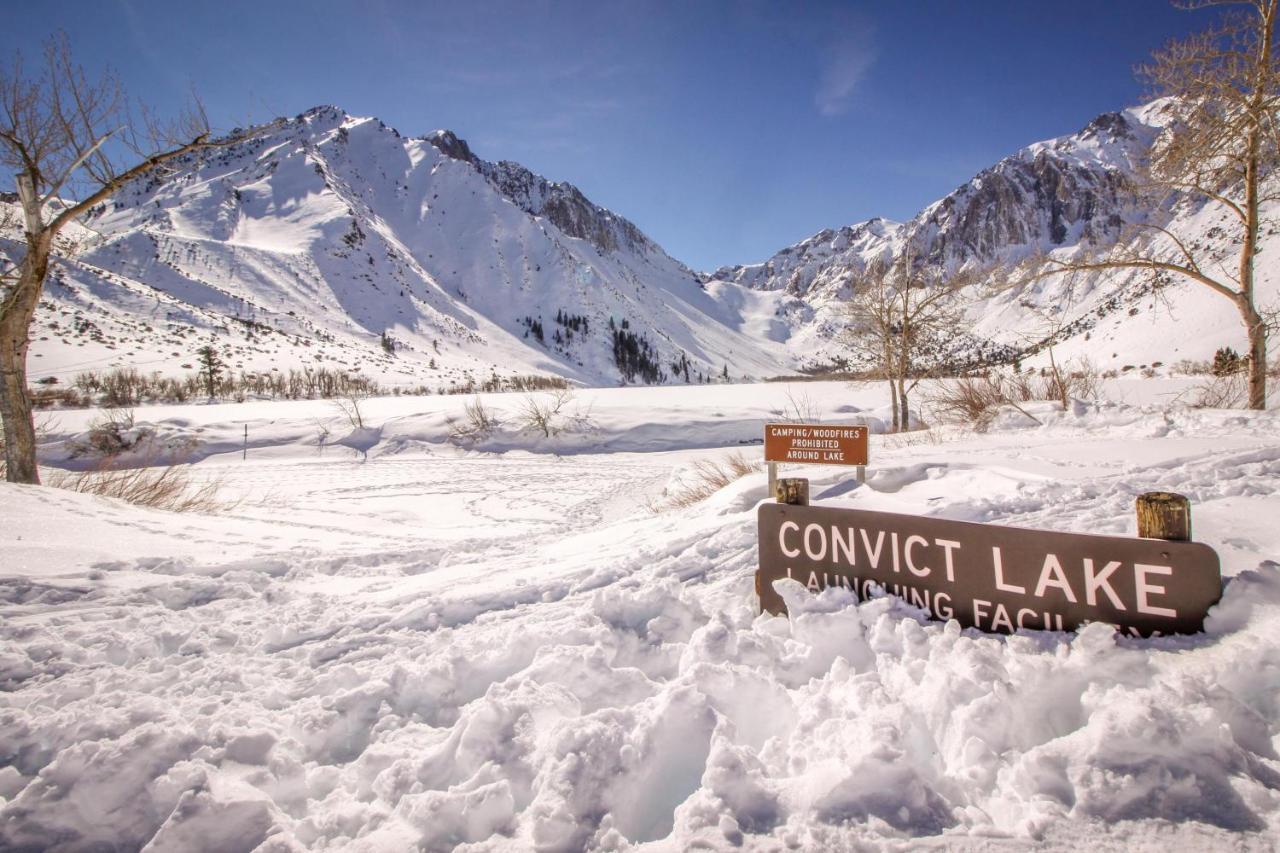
point(815, 444)
point(987, 576)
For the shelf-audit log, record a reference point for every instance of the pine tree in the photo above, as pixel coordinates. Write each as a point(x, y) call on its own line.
point(211, 365)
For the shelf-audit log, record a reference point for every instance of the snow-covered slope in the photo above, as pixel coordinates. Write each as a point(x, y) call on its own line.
point(333, 238)
point(411, 659)
point(1062, 197)
point(308, 244)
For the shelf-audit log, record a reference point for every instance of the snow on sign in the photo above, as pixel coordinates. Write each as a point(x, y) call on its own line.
point(990, 577)
point(815, 444)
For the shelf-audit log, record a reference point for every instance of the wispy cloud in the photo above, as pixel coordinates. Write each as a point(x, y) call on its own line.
point(547, 73)
point(845, 62)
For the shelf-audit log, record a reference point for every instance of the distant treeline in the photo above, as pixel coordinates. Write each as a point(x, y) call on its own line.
point(130, 387)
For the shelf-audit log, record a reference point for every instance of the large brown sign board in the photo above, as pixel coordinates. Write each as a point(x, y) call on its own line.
point(815, 444)
point(987, 576)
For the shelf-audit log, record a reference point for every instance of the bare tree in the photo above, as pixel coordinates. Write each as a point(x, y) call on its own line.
point(67, 139)
point(1221, 149)
point(544, 414)
point(898, 313)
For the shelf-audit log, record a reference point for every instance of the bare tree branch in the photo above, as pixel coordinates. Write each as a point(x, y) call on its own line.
point(60, 130)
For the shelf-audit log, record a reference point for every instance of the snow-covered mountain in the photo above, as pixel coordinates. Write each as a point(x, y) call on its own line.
point(332, 239)
point(1060, 197)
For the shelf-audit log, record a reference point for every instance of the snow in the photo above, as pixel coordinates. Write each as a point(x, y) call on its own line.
point(424, 645)
point(302, 247)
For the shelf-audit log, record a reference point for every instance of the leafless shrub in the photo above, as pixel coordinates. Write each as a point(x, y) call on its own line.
point(1085, 380)
point(548, 414)
point(1016, 386)
point(123, 387)
point(110, 434)
point(975, 400)
point(128, 387)
point(969, 399)
point(322, 435)
point(1217, 392)
point(707, 477)
point(167, 487)
point(915, 438)
point(799, 409)
point(477, 423)
point(349, 406)
point(526, 382)
point(49, 397)
point(1190, 367)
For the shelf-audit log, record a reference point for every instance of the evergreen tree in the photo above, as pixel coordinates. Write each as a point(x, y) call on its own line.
point(211, 365)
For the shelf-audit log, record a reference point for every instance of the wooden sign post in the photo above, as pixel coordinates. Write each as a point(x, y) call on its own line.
point(987, 576)
point(815, 444)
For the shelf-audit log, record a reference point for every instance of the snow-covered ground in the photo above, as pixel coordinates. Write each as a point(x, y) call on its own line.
point(395, 642)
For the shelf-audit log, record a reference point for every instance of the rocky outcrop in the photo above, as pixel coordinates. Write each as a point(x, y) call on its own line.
point(1070, 190)
point(562, 203)
point(566, 207)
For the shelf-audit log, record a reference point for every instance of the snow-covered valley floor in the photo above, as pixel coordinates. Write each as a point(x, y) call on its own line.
point(412, 645)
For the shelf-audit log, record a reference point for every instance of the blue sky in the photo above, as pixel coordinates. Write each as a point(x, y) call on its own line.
point(725, 130)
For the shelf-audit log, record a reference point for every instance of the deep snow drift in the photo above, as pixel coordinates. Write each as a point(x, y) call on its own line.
point(416, 644)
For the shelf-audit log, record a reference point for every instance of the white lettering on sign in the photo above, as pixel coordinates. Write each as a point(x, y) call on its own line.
point(1052, 576)
point(807, 434)
point(998, 564)
point(1145, 589)
point(948, 546)
point(841, 544)
point(782, 538)
point(1038, 580)
point(923, 571)
point(1094, 581)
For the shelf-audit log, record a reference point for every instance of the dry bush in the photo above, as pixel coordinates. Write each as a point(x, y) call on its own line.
point(542, 414)
point(349, 406)
point(968, 400)
point(1230, 391)
point(927, 436)
point(167, 487)
point(551, 415)
point(1189, 367)
point(799, 409)
point(708, 477)
point(975, 400)
point(529, 382)
point(110, 434)
point(1085, 380)
point(478, 422)
point(47, 397)
point(128, 387)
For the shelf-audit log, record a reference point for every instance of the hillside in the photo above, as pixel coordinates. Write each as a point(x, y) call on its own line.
point(335, 241)
point(1060, 197)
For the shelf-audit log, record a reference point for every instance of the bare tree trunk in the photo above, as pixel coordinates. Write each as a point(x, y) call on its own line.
point(893, 405)
point(1253, 323)
point(15, 405)
point(1257, 354)
point(16, 312)
point(905, 417)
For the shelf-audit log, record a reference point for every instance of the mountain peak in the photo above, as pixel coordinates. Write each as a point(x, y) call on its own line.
point(451, 145)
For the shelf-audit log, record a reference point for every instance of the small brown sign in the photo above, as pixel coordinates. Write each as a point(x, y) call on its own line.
point(990, 577)
point(815, 444)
